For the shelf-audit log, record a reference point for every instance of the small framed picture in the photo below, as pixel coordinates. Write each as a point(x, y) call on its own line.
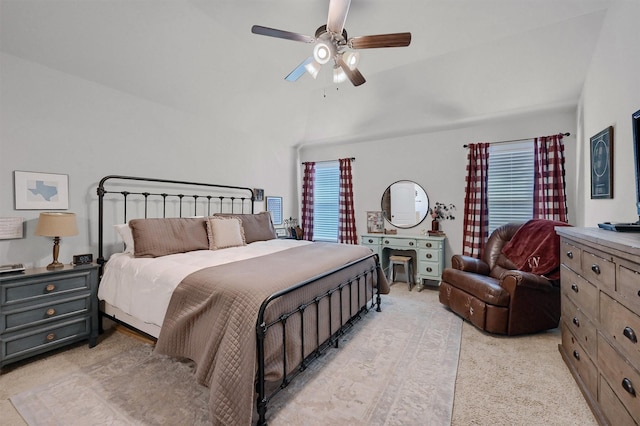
point(602, 164)
point(375, 223)
point(258, 194)
point(40, 191)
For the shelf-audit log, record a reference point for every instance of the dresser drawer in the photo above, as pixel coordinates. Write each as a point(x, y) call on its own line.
point(622, 326)
point(429, 255)
point(22, 343)
point(581, 361)
point(399, 243)
point(571, 256)
point(41, 287)
point(367, 240)
point(580, 291)
point(28, 316)
point(628, 285)
point(430, 244)
point(623, 379)
point(599, 270)
point(429, 270)
point(611, 406)
point(580, 326)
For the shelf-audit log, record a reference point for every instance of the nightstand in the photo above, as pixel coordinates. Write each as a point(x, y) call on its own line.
point(42, 309)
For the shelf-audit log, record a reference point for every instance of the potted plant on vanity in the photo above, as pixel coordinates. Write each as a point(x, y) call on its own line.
point(440, 211)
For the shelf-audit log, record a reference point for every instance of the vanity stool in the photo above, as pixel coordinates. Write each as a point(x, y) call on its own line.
point(404, 261)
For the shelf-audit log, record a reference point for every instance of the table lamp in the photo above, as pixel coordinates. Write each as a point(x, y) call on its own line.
point(56, 225)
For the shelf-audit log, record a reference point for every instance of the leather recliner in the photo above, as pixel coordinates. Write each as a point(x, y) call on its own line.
point(496, 297)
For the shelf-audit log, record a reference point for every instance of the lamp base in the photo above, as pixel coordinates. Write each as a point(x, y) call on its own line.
point(55, 265)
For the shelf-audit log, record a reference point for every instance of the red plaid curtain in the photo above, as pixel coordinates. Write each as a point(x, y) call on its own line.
point(549, 196)
point(476, 205)
point(307, 200)
point(346, 219)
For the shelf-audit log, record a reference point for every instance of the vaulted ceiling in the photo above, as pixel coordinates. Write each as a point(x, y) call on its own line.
point(469, 60)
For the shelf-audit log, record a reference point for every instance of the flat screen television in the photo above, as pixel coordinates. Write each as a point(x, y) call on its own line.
point(635, 226)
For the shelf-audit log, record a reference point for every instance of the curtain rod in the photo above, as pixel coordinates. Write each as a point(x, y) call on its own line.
point(326, 161)
point(517, 140)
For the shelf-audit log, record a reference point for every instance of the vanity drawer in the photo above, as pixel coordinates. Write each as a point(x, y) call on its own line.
point(367, 240)
point(580, 361)
point(27, 316)
point(622, 326)
point(429, 255)
point(571, 256)
point(399, 243)
point(580, 291)
point(43, 287)
point(599, 270)
point(430, 244)
point(580, 326)
point(623, 379)
point(429, 270)
point(629, 285)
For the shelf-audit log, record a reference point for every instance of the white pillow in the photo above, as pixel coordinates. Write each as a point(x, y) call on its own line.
point(125, 233)
point(225, 232)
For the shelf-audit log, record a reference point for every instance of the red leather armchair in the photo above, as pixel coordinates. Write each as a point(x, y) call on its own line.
point(496, 297)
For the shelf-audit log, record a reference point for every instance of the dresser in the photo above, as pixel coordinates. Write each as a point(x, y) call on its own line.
point(600, 281)
point(426, 251)
point(42, 309)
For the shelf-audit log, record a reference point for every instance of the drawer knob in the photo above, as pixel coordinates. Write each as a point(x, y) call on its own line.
point(50, 337)
point(596, 269)
point(50, 287)
point(370, 241)
point(410, 243)
point(429, 269)
point(628, 386)
point(570, 254)
point(429, 255)
point(576, 355)
point(574, 287)
point(386, 241)
point(630, 334)
point(576, 321)
point(51, 312)
point(429, 245)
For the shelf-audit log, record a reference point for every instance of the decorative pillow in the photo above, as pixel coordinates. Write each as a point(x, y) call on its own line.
point(125, 233)
point(163, 236)
point(257, 227)
point(225, 232)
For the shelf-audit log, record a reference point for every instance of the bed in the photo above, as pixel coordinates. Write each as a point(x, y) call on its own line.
point(193, 266)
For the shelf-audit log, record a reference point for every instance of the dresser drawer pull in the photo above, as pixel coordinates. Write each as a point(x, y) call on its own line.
point(386, 241)
point(570, 254)
point(429, 269)
point(628, 386)
point(50, 287)
point(429, 245)
point(576, 321)
point(51, 312)
point(574, 287)
point(576, 355)
point(429, 255)
point(50, 337)
point(370, 241)
point(410, 243)
point(630, 334)
point(596, 269)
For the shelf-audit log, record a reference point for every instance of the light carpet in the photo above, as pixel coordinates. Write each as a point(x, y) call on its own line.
point(395, 367)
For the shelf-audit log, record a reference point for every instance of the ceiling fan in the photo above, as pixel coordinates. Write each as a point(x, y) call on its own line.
point(331, 42)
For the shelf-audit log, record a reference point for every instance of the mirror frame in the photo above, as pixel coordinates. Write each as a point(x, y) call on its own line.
point(386, 209)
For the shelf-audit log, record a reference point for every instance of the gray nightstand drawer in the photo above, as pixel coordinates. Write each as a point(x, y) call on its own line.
point(27, 316)
point(38, 287)
point(42, 339)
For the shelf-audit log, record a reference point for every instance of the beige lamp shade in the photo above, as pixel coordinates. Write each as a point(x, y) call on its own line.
point(53, 224)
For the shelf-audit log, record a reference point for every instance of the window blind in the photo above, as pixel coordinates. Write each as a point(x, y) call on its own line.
point(510, 186)
point(326, 201)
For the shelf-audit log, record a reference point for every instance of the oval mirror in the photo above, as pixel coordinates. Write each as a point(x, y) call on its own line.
point(405, 204)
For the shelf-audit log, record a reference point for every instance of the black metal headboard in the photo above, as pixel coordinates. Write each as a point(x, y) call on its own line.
point(149, 197)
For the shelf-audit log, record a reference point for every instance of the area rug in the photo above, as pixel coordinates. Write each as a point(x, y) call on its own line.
point(395, 367)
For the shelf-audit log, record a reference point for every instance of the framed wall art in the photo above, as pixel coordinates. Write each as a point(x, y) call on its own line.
point(375, 223)
point(602, 164)
point(40, 191)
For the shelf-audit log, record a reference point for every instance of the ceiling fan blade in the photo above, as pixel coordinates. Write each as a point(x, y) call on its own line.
point(338, 10)
point(287, 35)
point(352, 74)
point(380, 40)
point(301, 69)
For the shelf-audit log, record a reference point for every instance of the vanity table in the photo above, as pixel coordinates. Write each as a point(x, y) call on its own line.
point(427, 253)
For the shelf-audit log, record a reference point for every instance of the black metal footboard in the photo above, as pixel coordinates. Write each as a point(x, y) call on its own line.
point(312, 347)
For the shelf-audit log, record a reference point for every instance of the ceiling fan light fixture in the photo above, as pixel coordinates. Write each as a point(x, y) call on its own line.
point(339, 75)
point(322, 53)
point(313, 68)
point(351, 59)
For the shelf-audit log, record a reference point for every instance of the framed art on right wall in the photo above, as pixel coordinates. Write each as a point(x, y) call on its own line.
point(602, 164)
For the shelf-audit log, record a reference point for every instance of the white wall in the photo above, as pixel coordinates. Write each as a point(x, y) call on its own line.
point(437, 160)
point(611, 94)
point(54, 122)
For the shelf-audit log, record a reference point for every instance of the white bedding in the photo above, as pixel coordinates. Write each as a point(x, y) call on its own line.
point(142, 287)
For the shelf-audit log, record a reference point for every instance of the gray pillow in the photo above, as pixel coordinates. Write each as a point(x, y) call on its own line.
point(257, 227)
point(160, 237)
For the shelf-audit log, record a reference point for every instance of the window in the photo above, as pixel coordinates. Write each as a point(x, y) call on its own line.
point(510, 187)
point(326, 201)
